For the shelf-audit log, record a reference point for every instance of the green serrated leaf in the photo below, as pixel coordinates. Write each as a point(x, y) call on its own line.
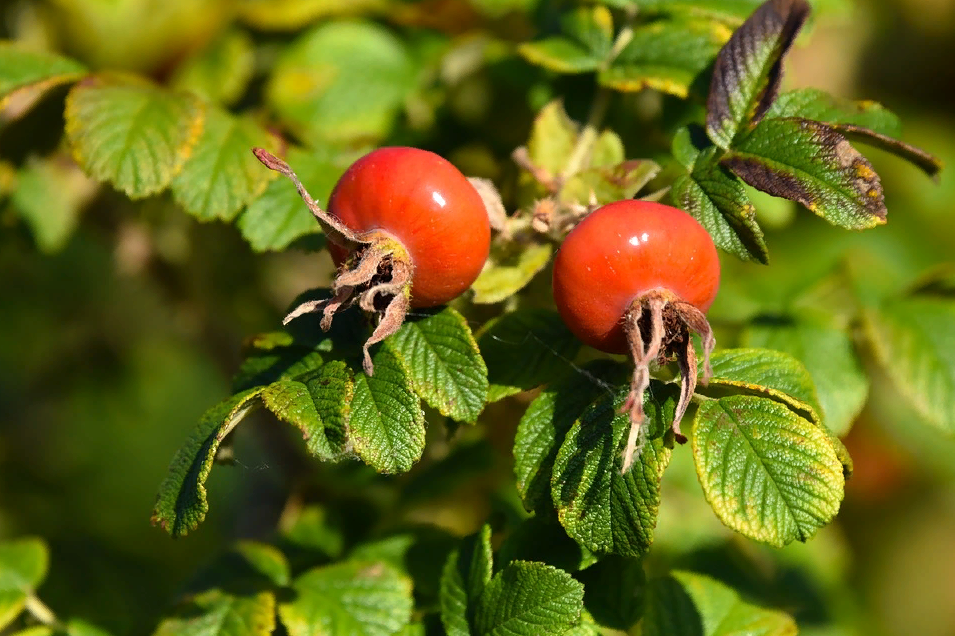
point(319, 404)
point(466, 574)
point(818, 105)
point(274, 356)
point(223, 175)
point(182, 504)
point(221, 72)
point(216, 613)
point(552, 139)
point(131, 133)
point(527, 599)
point(829, 356)
point(587, 40)
point(387, 423)
point(351, 597)
point(718, 200)
point(666, 54)
point(764, 372)
point(810, 163)
point(419, 552)
point(341, 82)
point(442, 359)
point(748, 70)
point(689, 604)
point(23, 566)
point(525, 349)
point(766, 472)
point(614, 588)
point(50, 194)
point(292, 15)
point(545, 423)
point(279, 217)
point(914, 341)
point(544, 540)
point(604, 511)
point(21, 67)
point(508, 271)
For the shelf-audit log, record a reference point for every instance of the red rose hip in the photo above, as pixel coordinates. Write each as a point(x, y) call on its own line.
point(405, 228)
point(635, 277)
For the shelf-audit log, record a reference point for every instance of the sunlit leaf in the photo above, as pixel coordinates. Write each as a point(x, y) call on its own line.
point(222, 71)
point(21, 67)
point(442, 359)
point(526, 599)
point(508, 271)
point(23, 566)
point(603, 510)
point(689, 604)
point(665, 54)
point(131, 133)
point(810, 163)
point(748, 70)
point(342, 81)
point(350, 597)
point(387, 423)
point(182, 504)
point(223, 175)
point(767, 472)
point(217, 613)
point(587, 36)
point(292, 15)
point(914, 342)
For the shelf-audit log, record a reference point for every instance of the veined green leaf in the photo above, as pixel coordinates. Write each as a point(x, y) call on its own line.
point(350, 597)
point(689, 604)
point(342, 81)
point(768, 473)
point(223, 175)
point(466, 574)
point(274, 356)
point(525, 599)
point(440, 355)
point(21, 67)
point(182, 504)
point(23, 566)
point(914, 342)
point(606, 512)
point(387, 423)
point(217, 613)
point(829, 356)
point(774, 374)
point(525, 349)
point(319, 404)
point(545, 424)
point(818, 105)
point(666, 54)
point(131, 133)
point(749, 69)
point(810, 163)
point(717, 199)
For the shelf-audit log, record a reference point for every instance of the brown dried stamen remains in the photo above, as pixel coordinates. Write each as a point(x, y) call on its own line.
point(659, 325)
point(377, 277)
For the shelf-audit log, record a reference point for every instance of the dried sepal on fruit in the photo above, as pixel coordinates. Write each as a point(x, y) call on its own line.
point(635, 277)
point(405, 228)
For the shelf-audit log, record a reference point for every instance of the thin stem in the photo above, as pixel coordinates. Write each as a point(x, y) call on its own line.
point(41, 612)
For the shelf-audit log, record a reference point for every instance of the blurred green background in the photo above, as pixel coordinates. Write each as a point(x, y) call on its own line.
point(113, 343)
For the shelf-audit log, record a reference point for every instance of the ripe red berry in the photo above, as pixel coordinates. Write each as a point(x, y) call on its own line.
point(425, 203)
point(405, 228)
point(622, 250)
point(635, 277)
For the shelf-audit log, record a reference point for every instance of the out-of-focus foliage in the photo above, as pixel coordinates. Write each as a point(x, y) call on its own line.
point(141, 244)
